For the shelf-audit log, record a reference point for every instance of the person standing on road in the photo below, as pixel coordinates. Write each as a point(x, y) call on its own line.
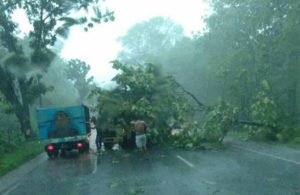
point(92, 141)
point(140, 136)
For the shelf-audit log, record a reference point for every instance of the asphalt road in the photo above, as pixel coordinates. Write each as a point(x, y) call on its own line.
point(242, 168)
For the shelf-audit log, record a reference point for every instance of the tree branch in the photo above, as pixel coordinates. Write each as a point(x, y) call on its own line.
point(192, 96)
point(258, 124)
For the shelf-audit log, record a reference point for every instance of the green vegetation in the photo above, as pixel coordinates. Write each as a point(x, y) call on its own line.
point(241, 73)
point(142, 92)
point(76, 72)
point(19, 154)
point(20, 85)
point(31, 71)
point(248, 57)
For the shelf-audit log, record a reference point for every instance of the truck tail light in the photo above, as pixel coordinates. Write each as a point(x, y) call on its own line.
point(79, 144)
point(50, 147)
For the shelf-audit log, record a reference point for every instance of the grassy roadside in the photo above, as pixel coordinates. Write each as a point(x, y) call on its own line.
point(243, 136)
point(291, 145)
point(22, 153)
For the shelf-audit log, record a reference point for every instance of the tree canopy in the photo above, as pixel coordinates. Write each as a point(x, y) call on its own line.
point(49, 19)
point(248, 58)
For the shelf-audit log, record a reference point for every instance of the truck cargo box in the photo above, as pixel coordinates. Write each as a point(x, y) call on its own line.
point(63, 124)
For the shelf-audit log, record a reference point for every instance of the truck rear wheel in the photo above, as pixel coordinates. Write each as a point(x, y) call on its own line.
point(55, 153)
point(63, 153)
point(52, 154)
point(84, 148)
point(81, 150)
point(52, 150)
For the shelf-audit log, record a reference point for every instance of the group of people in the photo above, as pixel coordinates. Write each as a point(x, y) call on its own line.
point(140, 136)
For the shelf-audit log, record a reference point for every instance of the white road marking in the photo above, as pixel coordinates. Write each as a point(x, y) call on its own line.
point(11, 189)
point(266, 154)
point(185, 161)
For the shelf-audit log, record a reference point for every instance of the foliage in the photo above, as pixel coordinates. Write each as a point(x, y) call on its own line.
point(146, 41)
point(264, 111)
point(52, 18)
point(76, 72)
point(9, 136)
point(21, 86)
point(189, 138)
point(219, 121)
point(5, 106)
point(142, 93)
point(248, 43)
point(248, 56)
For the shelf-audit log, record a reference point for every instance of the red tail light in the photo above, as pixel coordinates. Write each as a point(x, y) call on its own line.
point(50, 147)
point(79, 144)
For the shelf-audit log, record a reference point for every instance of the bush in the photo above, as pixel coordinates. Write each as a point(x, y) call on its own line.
point(188, 138)
point(219, 121)
point(265, 113)
point(10, 135)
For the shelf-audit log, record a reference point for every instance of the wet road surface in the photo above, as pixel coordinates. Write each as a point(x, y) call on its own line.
point(239, 169)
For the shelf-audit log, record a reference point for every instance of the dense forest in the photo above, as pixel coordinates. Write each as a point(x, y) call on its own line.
point(240, 73)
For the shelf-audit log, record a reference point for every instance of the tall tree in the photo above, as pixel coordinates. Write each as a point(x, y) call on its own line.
point(252, 48)
point(49, 19)
point(145, 41)
point(76, 72)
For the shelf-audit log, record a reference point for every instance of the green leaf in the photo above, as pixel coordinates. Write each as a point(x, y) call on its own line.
point(136, 191)
point(189, 145)
point(115, 184)
point(265, 85)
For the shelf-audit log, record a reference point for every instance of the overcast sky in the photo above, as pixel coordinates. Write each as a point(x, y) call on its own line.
point(98, 46)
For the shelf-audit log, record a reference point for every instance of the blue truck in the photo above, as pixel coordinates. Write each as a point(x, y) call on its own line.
point(64, 128)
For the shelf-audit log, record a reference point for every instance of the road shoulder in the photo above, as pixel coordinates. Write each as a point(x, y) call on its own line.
point(12, 178)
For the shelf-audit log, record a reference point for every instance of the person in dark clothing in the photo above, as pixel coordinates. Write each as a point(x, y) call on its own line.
point(99, 138)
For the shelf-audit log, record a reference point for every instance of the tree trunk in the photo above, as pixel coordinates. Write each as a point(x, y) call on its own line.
point(258, 124)
point(22, 113)
point(22, 109)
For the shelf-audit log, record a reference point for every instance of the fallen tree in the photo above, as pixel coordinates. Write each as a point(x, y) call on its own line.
point(141, 92)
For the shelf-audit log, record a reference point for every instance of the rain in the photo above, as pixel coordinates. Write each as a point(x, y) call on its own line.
point(149, 97)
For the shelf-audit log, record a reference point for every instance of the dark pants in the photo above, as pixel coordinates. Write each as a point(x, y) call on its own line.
point(99, 139)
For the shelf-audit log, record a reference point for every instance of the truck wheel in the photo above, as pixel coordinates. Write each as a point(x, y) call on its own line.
point(52, 154)
point(63, 153)
point(55, 153)
point(87, 148)
point(81, 150)
point(49, 154)
point(84, 149)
